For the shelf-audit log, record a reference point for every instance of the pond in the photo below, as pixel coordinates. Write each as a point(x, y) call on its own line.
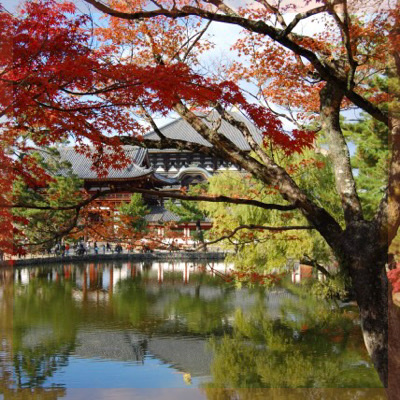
point(172, 325)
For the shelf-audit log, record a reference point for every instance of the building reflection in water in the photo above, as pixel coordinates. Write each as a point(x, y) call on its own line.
point(105, 277)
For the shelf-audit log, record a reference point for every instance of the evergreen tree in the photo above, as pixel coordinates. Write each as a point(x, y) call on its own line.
point(134, 213)
point(47, 223)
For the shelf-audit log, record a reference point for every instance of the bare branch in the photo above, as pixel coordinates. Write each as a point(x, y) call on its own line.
point(217, 199)
point(164, 143)
point(199, 36)
point(343, 22)
point(289, 28)
point(273, 10)
point(243, 128)
point(151, 121)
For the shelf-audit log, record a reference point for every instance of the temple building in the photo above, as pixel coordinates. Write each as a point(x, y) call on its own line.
point(191, 168)
point(139, 173)
point(167, 169)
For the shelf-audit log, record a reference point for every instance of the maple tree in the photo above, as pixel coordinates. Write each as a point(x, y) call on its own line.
point(60, 78)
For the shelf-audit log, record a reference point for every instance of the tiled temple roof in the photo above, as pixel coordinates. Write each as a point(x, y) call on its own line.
point(161, 214)
point(181, 130)
point(82, 165)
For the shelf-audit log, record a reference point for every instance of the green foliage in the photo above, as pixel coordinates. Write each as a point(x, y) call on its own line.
point(46, 226)
point(335, 287)
point(371, 159)
point(135, 211)
point(188, 211)
point(265, 249)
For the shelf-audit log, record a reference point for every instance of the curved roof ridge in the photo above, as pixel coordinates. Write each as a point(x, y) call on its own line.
point(182, 130)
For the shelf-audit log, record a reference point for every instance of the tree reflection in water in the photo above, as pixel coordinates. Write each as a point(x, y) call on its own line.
point(44, 331)
point(298, 342)
point(308, 346)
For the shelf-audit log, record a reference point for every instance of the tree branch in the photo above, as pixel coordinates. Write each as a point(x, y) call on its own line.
point(313, 263)
point(273, 10)
point(387, 217)
point(217, 199)
point(151, 121)
point(59, 234)
point(199, 36)
point(289, 28)
point(270, 173)
point(327, 72)
point(243, 128)
point(259, 227)
point(163, 194)
point(343, 22)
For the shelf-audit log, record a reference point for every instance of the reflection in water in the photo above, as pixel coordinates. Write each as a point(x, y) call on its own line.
point(169, 325)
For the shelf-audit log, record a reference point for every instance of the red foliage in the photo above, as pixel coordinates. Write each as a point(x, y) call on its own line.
point(394, 278)
point(270, 126)
point(63, 86)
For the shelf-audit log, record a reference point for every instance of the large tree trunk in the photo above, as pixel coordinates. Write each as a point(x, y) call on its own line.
point(372, 299)
point(365, 260)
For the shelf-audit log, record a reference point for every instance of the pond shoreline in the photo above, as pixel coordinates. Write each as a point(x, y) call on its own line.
point(156, 256)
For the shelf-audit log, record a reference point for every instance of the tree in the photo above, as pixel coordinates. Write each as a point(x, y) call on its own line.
point(52, 213)
point(188, 211)
point(65, 83)
point(263, 247)
point(136, 211)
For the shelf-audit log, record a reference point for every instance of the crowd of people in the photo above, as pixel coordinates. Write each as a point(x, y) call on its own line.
point(82, 248)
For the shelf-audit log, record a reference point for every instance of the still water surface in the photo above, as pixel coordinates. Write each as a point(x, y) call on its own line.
point(165, 325)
